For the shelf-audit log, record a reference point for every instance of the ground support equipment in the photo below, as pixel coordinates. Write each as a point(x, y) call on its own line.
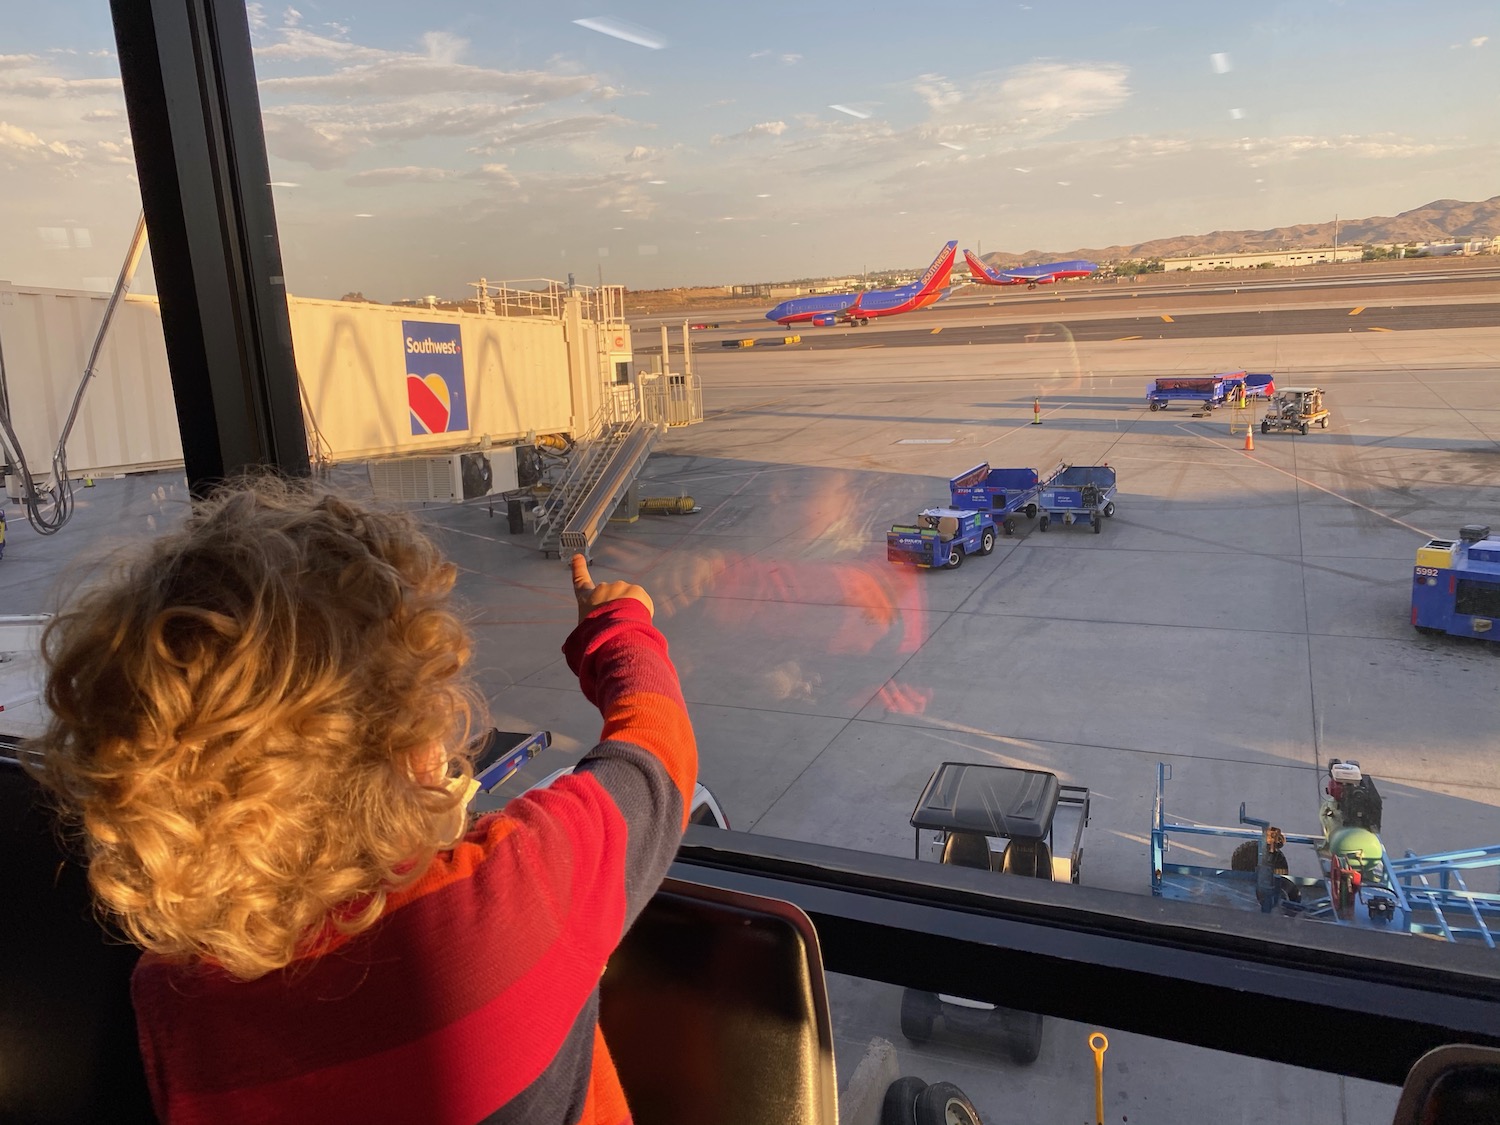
point(1077, 494)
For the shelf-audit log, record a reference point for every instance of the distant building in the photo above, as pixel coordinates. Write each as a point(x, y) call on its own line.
point(1456, 246)
point(1250, 261)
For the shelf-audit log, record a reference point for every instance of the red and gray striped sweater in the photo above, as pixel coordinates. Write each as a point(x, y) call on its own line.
point(475, 998)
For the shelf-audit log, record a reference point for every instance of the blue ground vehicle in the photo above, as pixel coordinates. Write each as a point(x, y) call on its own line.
point(1077, 494)
point(941, 537)
point(1260, 386)
point(1208, 391)
point(1357, 882)
point(1456, 585)
point(1001, 492)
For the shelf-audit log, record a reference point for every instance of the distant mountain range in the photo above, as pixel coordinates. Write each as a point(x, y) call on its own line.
point(1439, 221)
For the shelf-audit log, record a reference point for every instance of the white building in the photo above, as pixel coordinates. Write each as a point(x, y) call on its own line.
point(1252, 260)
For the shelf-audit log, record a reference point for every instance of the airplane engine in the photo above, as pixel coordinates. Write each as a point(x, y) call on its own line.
point(824, 321)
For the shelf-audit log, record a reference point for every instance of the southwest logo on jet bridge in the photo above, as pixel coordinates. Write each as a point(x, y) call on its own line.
point(435, 392)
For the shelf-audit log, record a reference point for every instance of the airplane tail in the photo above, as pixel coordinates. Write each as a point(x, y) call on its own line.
point(936, 275)
point(979, 270)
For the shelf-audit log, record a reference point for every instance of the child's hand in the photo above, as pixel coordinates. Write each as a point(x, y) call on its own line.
point(591, 597)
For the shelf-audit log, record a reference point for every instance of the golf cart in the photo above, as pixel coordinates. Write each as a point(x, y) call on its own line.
point(1295, 408)
point(1006, 820)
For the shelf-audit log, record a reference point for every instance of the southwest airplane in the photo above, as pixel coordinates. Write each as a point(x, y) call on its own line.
point(860, 308)
point(1030, 276)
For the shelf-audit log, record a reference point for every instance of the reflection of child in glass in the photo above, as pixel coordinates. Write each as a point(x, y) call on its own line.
point(257, 722)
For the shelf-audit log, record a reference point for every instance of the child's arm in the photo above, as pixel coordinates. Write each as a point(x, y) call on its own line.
point(647, 757)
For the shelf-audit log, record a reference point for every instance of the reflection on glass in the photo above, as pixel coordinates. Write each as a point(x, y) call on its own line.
point(84, 393)
point(1136, 1077)
point(515, 247)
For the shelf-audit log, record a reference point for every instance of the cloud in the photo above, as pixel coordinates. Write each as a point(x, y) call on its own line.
point(16, 62)
point(298, 44)
point(494, 174)
point(764, 129)
point(551, 129)
point(937, 92)
point(327, 136)
point(411, 174)
point(640, 152)
point(53, 86)
point(442, 46)
point(1479, 41)
point(1261, 151)
point(1051, 96)
point(417, 75)
point(16, 141)
point(95, 115)
point(1026, 103)
point(317, 144)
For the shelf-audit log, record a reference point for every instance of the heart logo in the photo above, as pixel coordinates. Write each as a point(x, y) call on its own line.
point(429, 402)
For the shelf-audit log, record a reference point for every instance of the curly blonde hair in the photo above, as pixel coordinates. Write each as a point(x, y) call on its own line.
point(250, 721)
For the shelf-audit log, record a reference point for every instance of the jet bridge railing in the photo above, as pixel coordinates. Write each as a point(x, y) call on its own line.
point(674, 399)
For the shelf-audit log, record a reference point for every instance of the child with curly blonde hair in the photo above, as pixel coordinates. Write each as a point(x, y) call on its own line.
point(260, 723)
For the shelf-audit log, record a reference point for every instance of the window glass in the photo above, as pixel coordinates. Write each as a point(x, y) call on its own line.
point(1016, 1066)
point(484, 222)
point(1182, 232)
point(112, 470)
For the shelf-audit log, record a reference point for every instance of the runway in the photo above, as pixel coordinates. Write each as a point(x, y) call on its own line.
point(1240, 289)
point(917, 332)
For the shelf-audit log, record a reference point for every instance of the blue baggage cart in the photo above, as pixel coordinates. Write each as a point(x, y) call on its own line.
point(1000, 492)
point(1077, 494)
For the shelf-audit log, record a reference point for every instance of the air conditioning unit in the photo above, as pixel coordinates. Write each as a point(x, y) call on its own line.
point(451, 478)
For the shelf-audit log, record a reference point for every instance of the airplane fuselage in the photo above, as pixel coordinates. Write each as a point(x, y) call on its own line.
point(1043, 274)
point(824, 310)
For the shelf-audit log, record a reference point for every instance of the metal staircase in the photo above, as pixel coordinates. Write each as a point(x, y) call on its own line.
point(600, 472)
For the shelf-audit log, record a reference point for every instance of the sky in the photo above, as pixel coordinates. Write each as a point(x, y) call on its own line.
point(415, 148)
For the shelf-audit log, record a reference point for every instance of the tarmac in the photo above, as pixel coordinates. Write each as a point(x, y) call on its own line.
point(1243, 617)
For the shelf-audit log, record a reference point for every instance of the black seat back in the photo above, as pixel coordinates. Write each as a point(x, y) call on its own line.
point(967, 849)
point(67, 1031)
point(1032, 858)
point(715, 1009)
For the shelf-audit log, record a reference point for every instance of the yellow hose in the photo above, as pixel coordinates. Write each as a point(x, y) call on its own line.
point(667, 505)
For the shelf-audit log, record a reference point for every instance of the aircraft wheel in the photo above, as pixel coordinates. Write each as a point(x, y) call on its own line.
point(918, 1010)
point(943, 1103)
point(987, 542)
point(1025, 1037)
point(900, 1104)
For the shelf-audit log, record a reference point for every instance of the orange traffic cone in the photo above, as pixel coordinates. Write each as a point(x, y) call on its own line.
point(1249, 439)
